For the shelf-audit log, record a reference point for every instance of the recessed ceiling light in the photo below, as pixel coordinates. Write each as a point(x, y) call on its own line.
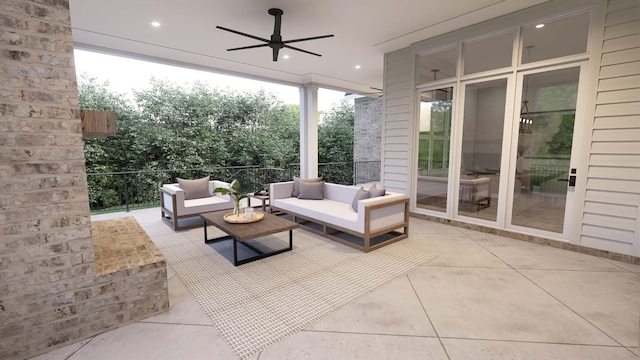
point(285, 56)
point(357, 66)
point(539, 26)
point(155, 24)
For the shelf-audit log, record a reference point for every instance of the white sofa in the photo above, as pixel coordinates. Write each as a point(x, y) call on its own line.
point(174, 206)
point(375, 224)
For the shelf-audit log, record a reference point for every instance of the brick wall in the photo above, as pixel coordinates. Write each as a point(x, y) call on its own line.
point(367, 129)
point(49, 293)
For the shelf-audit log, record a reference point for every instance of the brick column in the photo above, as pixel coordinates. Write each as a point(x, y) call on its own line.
point(49, 293)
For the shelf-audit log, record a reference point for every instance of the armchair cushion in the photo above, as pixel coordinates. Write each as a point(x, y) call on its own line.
point(195, 189)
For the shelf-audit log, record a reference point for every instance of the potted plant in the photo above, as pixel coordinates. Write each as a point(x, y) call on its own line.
point(234, 192)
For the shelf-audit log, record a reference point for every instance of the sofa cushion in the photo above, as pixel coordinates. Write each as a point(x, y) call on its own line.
point(195, 189)
point(202, 205)
point(375, 192)
point(360, 195)
point(296, 184)
point(328, 211)
point(311, 190)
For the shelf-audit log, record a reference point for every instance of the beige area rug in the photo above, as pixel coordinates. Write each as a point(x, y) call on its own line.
point(257, 304)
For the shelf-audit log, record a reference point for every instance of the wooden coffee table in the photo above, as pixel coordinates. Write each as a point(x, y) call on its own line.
point(240, 233)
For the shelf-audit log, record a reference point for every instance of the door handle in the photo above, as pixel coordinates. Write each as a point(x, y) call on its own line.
point(571, 180)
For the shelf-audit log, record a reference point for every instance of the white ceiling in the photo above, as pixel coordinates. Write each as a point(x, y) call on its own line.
point(364, 30)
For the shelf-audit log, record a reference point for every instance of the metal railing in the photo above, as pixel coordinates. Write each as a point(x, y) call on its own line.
point(126, 190)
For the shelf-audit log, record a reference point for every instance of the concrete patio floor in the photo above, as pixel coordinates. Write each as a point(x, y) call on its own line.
point(483, 297)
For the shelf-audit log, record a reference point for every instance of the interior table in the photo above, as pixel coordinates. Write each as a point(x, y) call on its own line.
point(242, 232)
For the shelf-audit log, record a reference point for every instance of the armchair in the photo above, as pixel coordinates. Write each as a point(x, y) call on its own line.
point(174, 206)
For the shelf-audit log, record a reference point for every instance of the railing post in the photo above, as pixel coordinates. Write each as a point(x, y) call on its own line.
point(355, 173)
point(126, 192)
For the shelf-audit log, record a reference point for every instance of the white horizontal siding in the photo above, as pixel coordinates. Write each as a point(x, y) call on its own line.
point(398, 147)
point(397, 125)
point(622, 56)
point(607, 244)
point(620, 198)
point(625, 160)
point(617, 210)
point(393, 169)
point(620, 30)
point(627, 82)
point(616, 135)
point(618, 5)
point(617, 109)
point(613, 185)
point(622, 16)
point(618, 70)
point(618, 96)
point(608, 233)
point(625, 224)
point(616, 173)
point(630, 147)
point(617, 122)
point(612, 194)
point(621, 43)
point(398, 112)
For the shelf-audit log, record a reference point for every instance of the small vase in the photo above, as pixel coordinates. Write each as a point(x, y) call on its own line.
point(236, 209)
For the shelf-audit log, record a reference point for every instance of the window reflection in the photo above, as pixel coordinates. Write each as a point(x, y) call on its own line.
point(569, 36)
point(433, 148)
point(438, 66)
point(483, 126)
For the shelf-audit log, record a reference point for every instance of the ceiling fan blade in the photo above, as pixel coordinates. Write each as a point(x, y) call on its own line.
point(309, 38)
point(243, 34)
point(298, 49)
point(275, 53)
point(248, 47)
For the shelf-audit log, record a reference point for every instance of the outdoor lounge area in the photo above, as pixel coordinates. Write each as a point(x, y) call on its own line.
point(482, 296)
point(540, 97)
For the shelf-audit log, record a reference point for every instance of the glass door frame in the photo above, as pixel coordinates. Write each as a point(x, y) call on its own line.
point(447, 83)
point(505, 149)
point(577, 158)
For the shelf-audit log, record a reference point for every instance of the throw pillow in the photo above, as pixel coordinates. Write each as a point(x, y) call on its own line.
point(360, 195)
point(375, 192)
point(296, 184)
point(311, 190)
point(195, 189)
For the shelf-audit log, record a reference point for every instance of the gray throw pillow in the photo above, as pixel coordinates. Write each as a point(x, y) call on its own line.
point(297, 181)
point(311, 190)
point(375, 192)
point(195, 189)
point(360, 195)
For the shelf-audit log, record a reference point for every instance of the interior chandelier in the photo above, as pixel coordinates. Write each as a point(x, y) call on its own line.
point(526, 120)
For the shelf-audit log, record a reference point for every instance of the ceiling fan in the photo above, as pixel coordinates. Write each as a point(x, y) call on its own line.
point(276, 43)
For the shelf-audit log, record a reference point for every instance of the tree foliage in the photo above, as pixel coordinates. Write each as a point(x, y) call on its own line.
point(167, 126)
point(335, 134)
